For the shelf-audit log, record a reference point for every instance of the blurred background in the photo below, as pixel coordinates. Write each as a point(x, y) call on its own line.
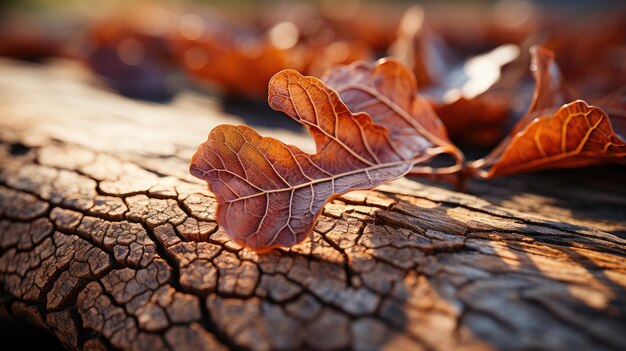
point(470, 58)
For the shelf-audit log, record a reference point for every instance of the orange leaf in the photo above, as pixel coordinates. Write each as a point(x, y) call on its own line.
point(575, 135)
point(553, 135)
point(269, 193)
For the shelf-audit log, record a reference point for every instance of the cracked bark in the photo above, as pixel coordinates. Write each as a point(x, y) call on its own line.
point(108, 243)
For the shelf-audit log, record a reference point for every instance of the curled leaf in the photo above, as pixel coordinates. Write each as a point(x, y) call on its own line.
point(553, 134)
point(575, 135)
point(550, 88)
point(472, 97)
point(386, 91)
point(269, 193)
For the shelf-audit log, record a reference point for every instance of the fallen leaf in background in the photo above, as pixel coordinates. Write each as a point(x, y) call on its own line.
point(472, 97)
point(550, 88)
point(556, 133)
point(238, 57)
point(369, 24)
point(279, 188)
point(471, 28)
point(241, 57)
point(474, 100)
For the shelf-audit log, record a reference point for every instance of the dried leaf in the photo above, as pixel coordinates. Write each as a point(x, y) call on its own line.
point(550, 90)
point(470, 28)
point(269, 193)
point(553, 135)
point(386, 91)
point(575, 135)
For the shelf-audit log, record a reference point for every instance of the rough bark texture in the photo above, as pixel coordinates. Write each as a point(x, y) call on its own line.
point(108, 243)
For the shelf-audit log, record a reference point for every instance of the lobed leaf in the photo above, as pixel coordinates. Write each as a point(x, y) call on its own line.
point(269, 193)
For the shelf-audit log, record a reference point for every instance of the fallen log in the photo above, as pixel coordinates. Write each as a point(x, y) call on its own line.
point(108, 243)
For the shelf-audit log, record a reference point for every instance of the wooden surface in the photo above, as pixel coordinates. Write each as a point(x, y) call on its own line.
point(108, 242)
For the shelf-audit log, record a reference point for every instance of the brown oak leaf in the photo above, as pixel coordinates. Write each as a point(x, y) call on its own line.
point(269, 193)
point(556, 132)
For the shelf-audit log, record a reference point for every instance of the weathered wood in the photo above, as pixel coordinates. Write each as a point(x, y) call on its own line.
point(107, 242)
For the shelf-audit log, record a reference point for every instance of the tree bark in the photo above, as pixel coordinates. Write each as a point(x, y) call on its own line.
point(108, 243)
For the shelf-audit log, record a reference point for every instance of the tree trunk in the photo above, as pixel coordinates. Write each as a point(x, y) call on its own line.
point(107, 242)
